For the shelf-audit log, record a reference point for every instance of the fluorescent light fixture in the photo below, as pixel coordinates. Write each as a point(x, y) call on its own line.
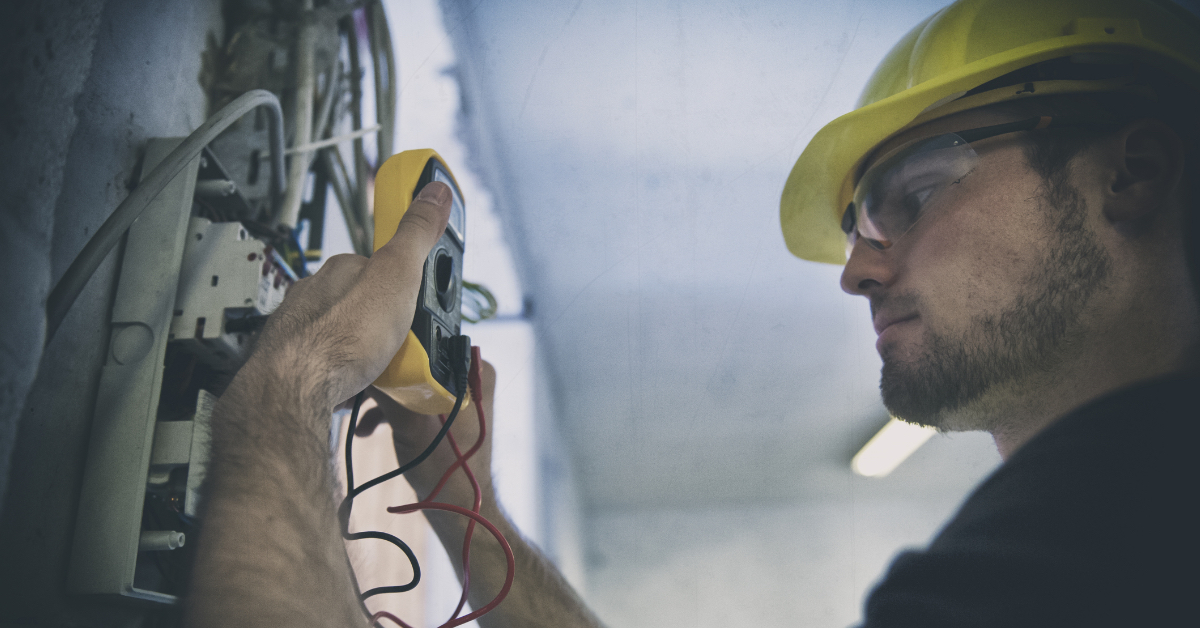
point(889, 447)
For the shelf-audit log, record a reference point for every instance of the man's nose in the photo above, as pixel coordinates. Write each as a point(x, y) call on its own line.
point(867, 269)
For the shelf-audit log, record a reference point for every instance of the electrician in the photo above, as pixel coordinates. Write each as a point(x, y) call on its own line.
point(1015, 199)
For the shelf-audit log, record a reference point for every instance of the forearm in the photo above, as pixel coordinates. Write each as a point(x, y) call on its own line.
point(269, 551)
point(540, 597)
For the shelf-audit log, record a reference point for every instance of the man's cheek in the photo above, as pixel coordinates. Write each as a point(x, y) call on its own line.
point(977, 272)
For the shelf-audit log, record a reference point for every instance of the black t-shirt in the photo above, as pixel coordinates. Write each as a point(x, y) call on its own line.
point(1091, 523)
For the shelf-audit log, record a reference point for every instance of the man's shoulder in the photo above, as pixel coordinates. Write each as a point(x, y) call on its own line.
point(1091, 518)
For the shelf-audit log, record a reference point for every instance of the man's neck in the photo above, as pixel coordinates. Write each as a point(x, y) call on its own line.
point(1032, 406)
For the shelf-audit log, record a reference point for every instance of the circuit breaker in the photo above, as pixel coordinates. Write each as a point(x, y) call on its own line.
point(228, 277)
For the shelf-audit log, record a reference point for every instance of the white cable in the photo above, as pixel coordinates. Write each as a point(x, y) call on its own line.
point(333, 84)
point(306, 83)
point(333, 140)
point(72, 282)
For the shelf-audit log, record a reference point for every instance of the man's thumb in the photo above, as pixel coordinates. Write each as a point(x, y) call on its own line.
point(422, 224)
point(429, 212)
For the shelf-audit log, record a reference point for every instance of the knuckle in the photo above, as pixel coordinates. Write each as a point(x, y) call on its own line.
point(344, 261)
point(418, 221)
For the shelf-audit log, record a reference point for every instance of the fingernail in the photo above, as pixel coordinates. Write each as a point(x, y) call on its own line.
point(436, 194)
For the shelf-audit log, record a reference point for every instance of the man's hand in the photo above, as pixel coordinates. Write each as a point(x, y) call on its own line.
point(270, 552)
point(540, 597)
point(341, 327)
point(412, 433)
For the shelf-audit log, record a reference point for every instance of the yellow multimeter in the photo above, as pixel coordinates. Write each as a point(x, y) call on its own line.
point(422, 375)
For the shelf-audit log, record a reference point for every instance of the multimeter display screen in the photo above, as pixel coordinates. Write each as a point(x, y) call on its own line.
point(458, 222)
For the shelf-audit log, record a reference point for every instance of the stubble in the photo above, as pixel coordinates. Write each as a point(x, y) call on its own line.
point(1022, 341)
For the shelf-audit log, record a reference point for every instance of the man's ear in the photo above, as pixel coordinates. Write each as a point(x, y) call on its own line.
point(1147, 168)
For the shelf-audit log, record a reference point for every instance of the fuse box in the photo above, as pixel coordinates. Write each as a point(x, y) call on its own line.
point(198, 277)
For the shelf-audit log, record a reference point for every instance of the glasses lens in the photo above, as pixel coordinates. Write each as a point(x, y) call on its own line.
point(896, 192)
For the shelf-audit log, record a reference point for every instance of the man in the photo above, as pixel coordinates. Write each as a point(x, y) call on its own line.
point(1017, 196)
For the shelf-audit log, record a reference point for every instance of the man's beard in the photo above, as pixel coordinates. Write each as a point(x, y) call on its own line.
point(1003, 347)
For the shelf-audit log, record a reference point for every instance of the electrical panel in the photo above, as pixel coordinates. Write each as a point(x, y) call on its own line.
point(207, 261)
point(198, 277)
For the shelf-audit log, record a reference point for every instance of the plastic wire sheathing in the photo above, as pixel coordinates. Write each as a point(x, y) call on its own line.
point(463, 371)
point(508, 554)
point(475, 379)
point(355, 492)
point(332, 87)
point(461, 461)
point(476, 389)
point(348, 504)
point(477, 504)
point(302, 101)
point(109, 234)
point(333, 141)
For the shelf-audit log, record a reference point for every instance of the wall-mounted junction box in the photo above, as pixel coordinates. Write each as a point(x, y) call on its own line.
point(183, 279)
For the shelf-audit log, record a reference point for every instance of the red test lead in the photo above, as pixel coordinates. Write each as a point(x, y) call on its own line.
point(475, 381)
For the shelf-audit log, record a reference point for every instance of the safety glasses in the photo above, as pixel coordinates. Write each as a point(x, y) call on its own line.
point(912, 181)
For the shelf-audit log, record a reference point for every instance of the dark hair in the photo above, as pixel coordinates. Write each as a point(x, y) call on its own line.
point(1050, 151)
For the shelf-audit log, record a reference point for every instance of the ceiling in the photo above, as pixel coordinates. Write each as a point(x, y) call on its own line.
point(636, 152)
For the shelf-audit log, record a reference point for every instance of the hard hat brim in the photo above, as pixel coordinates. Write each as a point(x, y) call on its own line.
point(821, 184)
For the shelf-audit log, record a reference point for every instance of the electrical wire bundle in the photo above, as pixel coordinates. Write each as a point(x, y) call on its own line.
point(364, 54)
point(473, 383)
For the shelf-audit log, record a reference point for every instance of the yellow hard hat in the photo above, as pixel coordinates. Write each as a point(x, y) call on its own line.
point(954, 51)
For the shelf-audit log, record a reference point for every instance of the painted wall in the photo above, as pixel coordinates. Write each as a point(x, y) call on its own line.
point(806, 564)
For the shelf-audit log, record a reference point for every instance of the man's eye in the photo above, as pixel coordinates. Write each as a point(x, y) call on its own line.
point(914, 201)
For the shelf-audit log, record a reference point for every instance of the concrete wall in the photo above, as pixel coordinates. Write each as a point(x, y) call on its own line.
point(46, 57)
point(85, 84)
